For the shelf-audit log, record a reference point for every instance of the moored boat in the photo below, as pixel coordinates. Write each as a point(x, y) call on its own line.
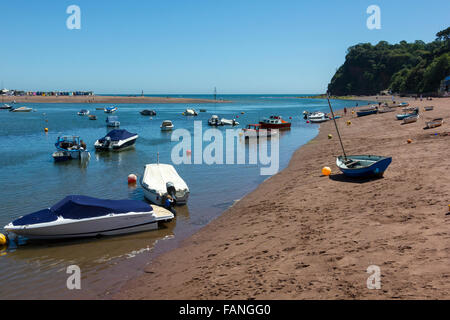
point(148, 112)
point(21, 109)
point(435, 123)
point(70, 147)
point(275, 122)
point(229, 122)
point(361, 166)
point(5, 107)
point(214, 121)
point(255, 130)
point(81, 216)
point(112, 121)
point(83, 112)
point(117, 139)
point(411, 119)
point(190, 112)
point(111, 109)
point(161, 180)
point(429, 108)
point(166, 125)
point(92, 117)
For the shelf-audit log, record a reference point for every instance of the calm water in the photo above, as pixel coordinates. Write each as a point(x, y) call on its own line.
point(31, 181)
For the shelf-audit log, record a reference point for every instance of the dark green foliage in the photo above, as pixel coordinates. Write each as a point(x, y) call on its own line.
point(415, 67)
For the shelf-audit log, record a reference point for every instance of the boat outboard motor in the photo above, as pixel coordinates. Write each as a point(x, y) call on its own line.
point(171, 190)
point(107, 142)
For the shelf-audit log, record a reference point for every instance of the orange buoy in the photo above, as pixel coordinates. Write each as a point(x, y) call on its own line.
point(409, 140)
point(132, 178)
point(326, 171)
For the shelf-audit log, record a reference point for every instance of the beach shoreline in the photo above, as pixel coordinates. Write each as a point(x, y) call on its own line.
point(300, 235)
point(105, 99)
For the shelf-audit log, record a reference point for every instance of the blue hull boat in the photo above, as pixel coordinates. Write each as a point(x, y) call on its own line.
point(363, 166)
point(363, 113)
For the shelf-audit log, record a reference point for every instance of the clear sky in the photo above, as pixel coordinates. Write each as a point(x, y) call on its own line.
point(191, 46)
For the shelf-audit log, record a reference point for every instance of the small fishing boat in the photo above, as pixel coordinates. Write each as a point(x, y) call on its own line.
point(166, 125)
point(92, 117)
point(79, 216)
point(21, 109)
point(363, 165)
point(411, 119)
point(429, 108)
point(116, 140)
point(435, 123)
point(160, 180)
point(148, 112)
point(5, 107)
point(255, 130)
point(316, 115)
point(83, 112)
point(99, 108)
point(229, 122)
point(214, 121)
point(111, 109)
point(367, 111)
point(359, 166)
point(275, 122)
point(190, 112)
point(316, 119)
point(70, 147)
point(112, 121)
point(202, 110)
point(386, 109)
point(402, 116)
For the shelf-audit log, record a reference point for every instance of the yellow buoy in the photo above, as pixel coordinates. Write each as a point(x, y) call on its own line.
point(326, 171)
point(46, 129)
point(330, 136)
point(349, 122)
point(3, 239)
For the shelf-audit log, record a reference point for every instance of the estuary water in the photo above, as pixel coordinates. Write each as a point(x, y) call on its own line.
point(31, 181)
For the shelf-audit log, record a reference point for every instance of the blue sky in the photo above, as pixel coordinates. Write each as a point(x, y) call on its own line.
point(173, 46)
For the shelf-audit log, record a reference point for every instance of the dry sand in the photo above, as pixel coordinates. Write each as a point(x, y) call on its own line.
point(104, 99)
point(301, 235)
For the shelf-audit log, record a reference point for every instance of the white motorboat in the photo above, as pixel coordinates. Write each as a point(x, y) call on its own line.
point(214, 121)
point(81, 216)
point(111, 109)
point(83, 112)
point(5, 107)
point(21, 109)
point(166, 125)
point(190, 112)
point(112, 121)
point(160, 180)
point(228, 122)
point(317, 117)
point(116, 140)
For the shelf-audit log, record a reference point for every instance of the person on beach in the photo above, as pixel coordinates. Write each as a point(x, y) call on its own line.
point(345, 110)
point(169, 203)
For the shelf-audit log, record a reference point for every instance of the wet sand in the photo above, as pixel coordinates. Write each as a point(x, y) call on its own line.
point(104, 99)
point(301, 235)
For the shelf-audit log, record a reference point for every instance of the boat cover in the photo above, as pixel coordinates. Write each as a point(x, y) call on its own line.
point(156, 176)
point(112, 118)
point(82, 207)
point(118, 134)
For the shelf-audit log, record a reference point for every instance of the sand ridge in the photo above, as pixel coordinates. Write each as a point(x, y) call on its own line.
point(301, 235)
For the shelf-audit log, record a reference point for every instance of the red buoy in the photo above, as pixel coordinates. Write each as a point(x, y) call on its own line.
point(132, 178)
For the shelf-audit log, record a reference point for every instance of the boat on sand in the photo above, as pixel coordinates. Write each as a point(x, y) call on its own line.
point(435, 123)
point(79, 216)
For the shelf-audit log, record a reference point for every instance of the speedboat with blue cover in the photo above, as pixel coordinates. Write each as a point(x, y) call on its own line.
point(79, 216)
point(116, 139)
point(111, 109)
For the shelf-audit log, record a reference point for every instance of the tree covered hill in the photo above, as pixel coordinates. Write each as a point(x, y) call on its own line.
point(403, 68)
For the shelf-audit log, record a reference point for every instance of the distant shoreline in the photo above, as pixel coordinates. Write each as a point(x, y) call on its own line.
point(105, 99)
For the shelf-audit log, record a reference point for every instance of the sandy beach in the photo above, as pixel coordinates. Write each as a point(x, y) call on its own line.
point(104, 99)
point(301, 235)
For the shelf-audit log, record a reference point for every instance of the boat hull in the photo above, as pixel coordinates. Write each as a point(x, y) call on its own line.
point(376, 169)
point(281, 126)
point(159, 200)
point(366, 113)
point(99, 226)
point(116, 145)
